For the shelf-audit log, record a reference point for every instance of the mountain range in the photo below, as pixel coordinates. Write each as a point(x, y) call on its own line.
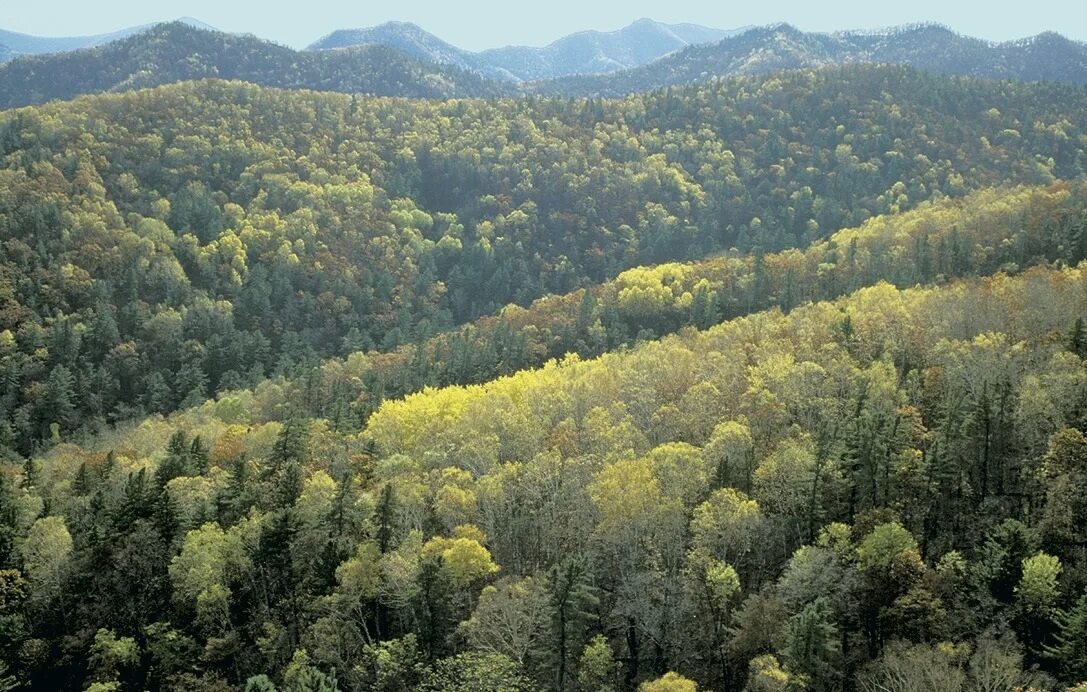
point(399, 59)
point(586, 52)
point(178, 52)
point(930, 47)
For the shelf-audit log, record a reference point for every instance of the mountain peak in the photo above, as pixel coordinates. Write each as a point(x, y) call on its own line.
point(584, 52)
point(195, 23)
point(1049, 38)
point(398, 24)
point(406, 37)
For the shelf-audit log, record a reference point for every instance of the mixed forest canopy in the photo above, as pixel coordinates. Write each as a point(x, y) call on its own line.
point(162, 246)
point(885, 472)
point(771, 383)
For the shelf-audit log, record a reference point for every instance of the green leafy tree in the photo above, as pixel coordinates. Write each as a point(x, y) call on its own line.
point(669, 682)
point(1038, 588)
point(597, 668)
point(475, 673)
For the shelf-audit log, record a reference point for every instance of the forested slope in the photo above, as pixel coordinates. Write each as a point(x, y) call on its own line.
point(816, 497)
point(1003, 229)
point(160, 246)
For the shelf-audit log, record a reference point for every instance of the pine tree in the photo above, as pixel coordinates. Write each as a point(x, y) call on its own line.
point(1069, 649)
point(572, 600)
point(136, 503)
point(292, 444)
point(176, 462)
point(433, 603)
point(813, 645)
point(7, 682)
point(199, 457)
point(386, 518)
point(81, 485)
point(704, 313)
point(237, 497)
point(58, 405)
point(1077, 341)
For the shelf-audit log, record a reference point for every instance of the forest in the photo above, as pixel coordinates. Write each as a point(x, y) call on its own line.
point(771, 383)
point(160, 247)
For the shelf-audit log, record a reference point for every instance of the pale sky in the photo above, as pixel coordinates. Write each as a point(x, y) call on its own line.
point(478, 24)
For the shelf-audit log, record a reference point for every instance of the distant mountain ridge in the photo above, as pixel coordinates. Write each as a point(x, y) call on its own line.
point(177, 52)
point(931, 47)
point(13, 43)
point(585, 52)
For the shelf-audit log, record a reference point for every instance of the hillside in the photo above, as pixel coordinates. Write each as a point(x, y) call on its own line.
point(264, 229)
point(990, 230)
point(586, 52)
point(932, 48)
point(177, 52)
point(828, 466)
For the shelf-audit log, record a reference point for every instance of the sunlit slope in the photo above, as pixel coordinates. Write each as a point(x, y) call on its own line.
point(771, 369)
point(853, 410)
point(987, 231)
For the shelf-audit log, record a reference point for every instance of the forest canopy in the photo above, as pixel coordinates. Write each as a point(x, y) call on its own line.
point(891, 469)
point(771, 384)
point(162, 246)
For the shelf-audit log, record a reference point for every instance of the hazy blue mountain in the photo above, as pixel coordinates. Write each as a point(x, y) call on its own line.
point(597, 52)
point(177, 52)
point(586, 52)
point(929, 47)
point(404, 36)
point(25, 44)
point(410, 62)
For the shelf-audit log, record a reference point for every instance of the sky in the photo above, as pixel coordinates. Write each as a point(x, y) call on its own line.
point(479, 24)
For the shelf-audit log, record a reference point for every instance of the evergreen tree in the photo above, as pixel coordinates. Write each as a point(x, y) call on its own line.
point(1069, 648)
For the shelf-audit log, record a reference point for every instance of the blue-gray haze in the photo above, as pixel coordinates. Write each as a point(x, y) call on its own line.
point(481, 24)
